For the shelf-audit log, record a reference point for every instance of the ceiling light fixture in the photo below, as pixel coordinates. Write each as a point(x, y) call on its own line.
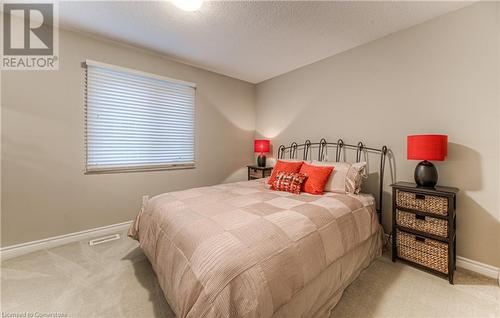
point(188, 5)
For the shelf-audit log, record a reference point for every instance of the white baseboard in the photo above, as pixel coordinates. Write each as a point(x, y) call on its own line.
point(28, 247)
point(477, 267)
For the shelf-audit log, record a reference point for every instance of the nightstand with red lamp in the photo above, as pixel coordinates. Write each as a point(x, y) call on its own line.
point(423, 214)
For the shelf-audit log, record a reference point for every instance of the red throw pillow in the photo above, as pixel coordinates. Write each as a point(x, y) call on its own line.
point(284, 166)
point(316, 178)
point(288, 181)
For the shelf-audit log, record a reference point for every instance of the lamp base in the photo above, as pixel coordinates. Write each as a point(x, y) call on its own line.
point(426, 174)
point(261, 160)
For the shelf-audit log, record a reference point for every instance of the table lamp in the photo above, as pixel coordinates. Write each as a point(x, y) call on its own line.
point(427, 148)
point(261, 146)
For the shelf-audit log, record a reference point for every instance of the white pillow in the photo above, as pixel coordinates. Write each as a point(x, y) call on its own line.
point(345, 177)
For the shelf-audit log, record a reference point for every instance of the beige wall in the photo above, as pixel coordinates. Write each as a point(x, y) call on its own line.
point(44, 190)
point(437, 77)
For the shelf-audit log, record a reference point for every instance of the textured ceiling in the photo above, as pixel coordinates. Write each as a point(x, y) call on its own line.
point(249, 40)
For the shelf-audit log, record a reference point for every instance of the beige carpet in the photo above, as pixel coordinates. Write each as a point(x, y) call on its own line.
point(115, 280)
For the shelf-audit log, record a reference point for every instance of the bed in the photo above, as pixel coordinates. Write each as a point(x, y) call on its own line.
point(243, 250)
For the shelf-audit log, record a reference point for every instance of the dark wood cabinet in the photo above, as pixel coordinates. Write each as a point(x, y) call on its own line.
point(423, 227)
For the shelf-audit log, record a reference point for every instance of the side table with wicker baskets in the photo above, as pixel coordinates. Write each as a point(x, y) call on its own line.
point(423, 227)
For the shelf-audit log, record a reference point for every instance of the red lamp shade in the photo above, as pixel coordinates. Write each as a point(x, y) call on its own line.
point(261, 146)
point(427, 147)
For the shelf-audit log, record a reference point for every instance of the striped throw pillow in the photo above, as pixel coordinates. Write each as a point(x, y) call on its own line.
point(288, 181)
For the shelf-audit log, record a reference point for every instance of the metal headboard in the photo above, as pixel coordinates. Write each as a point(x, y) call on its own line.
point(322, 145)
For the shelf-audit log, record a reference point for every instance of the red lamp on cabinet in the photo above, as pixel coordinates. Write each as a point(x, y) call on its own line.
point(261, 146)
point(427, 148)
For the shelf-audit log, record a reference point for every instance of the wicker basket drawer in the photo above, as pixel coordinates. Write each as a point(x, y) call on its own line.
point(425, 224)
point(424, 251)
point(258, 173)
point(255, 173)
point(425, 203)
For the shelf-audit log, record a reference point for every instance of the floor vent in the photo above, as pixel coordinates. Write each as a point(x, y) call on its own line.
point(104, 239)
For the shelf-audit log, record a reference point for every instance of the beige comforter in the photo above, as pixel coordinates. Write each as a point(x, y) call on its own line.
point(242, 250)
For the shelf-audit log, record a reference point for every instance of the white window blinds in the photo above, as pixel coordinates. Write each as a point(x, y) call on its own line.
point(137, 121)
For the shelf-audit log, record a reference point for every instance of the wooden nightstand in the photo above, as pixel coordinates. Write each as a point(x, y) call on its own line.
point(255, 172)
point(423, 227)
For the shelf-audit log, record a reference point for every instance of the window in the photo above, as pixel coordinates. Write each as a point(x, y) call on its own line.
point(137, 121)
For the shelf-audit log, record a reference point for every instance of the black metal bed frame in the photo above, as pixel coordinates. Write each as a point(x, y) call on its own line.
point(339, 145)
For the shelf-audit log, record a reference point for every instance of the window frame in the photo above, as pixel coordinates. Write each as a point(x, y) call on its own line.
point(142, 167)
